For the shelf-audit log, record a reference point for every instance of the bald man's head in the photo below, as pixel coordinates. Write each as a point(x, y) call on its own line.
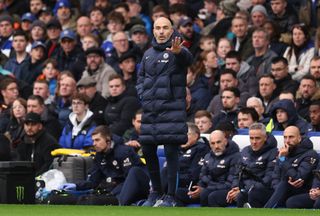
point(162, 30)
point(218, 142)
point(292, 136)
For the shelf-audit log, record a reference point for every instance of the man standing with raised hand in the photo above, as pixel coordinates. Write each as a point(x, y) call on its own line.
point(161, 88)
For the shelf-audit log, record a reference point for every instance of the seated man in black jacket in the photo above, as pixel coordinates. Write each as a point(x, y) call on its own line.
point(117, 175)
point(191, 157)
point(256, 165)
point(293, 171)
point(217, 172)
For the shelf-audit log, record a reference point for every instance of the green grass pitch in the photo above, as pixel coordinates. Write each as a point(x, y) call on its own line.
point(46, 210)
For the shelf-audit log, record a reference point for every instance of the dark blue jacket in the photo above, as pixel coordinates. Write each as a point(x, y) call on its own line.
point(316, 178)
point(259, 163)
point(111, 167)
point(190, 162)
point(161, 87)
point(293, 117)
point(19, 70)
point(82, 140)
point(298, 164)
point(217, 171)
point(200, 92)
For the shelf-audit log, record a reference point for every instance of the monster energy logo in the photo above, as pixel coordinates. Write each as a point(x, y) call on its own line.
point(20, 193)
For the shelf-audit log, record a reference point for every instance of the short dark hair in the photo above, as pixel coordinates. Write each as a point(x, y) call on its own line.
point(193, 127)
point(234, 90)
point(202, 113)
point(309, 77)
point(20, 33)
point(138, 112)
point(81, 96)
point(267, 76)
point(229, 71)
point(37, 98)
point(315, 103)
point(234, 54)
point(5, 82)
point(122, 5)
point(178, 8)
point(278, 59)
point(113, 15)
point(250, 111)
point(116, 76)
point(159, 8)
point(103, 130)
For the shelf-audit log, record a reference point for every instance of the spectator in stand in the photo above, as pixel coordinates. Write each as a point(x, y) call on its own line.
point(19, 64)
point(53, 32)
point(121, 107)
point(283, 79)
point(136, 14)
point(97, 104)
point(66, 88)
point(122, 45)
point(98, 69)
point(228, 79)
point(6, 33)
point(63, 12)
point(198, 86)
point(77, 132)
point(307, 92)
point(70, 57)
point(98, 20)
point(50, 74)
point(190, 37)
point(14, 131)
point(230, 98)
point(223, 47)
point(315, 69)
point(46, 15)
point(246, 117)
point(84, 27)
point(38, 32)
point(139, 36)
point(35, 6)
point(50, 121)
point(246, 75)
point(37, 144)
point(243, 37)
point(41, 88)
point(256, 103)
point(314, 115)
point(124, 9)
point(267, 93)
point(259, 16)
point(203, 120)
point(284, 114)
point(158, 11)
point(300, 53)
point(89, 41)
point(176, 12)
point(9, 93)
point(37, 56)
point(26, 22)
point(223, 25)
point(263, 55)
point(127, 64)
point(276, 45)
point(283, 14)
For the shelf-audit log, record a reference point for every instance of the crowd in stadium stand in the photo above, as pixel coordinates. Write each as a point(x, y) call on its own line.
point(69, 71)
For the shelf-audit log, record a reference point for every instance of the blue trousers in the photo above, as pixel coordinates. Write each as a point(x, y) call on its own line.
point(302, 201)
point(282, 192)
